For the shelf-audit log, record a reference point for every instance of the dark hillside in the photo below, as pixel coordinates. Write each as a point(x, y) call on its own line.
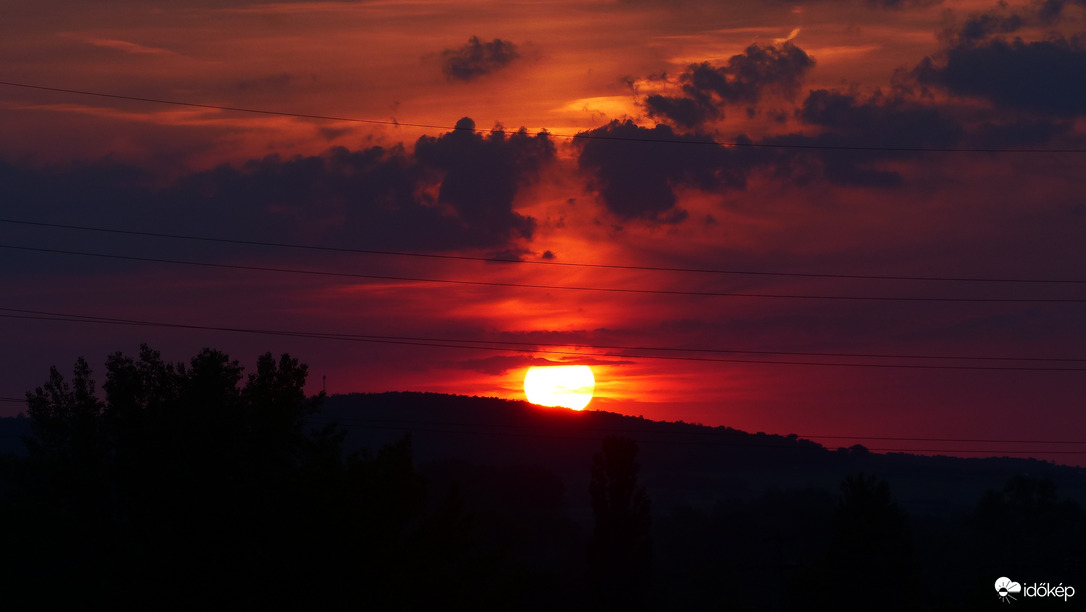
point(681, 463)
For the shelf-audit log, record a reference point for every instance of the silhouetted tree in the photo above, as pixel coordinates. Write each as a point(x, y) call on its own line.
point(1027, 527)
point(869, 564)
point(65, 418)
point(620, 551)
point(186, 488)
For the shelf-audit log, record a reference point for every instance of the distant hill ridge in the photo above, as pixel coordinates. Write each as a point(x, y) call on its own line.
point(681, 463)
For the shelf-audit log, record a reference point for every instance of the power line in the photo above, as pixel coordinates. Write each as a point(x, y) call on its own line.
point(414, 279)
point(543, 263)
point(774, 445)
point(656, 436)
point(711, 431)
point(480, 430)
point(356, 420)
point(455, 344)
point(579, 136)
point(617, 347)
point(971, 440)
point(526, 346)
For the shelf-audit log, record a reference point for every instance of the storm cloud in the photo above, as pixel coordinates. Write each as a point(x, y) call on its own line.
point(899, 5)
point(981, 59)
point(707, 89)
point(1004, 19)
point(456, 191)
point(635, 170)
point(482, 175)
point(477, 58)
point(1044, 77)
point(850, 126)
point(879, 120)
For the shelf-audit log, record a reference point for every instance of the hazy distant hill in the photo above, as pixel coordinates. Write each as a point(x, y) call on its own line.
point(12, 430)
point(681, 463)
point(501, 493)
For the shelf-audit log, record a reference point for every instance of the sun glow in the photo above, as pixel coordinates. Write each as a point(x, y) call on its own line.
point(566, 386)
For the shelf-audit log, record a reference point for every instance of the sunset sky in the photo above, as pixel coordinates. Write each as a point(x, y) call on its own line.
point(925, 157)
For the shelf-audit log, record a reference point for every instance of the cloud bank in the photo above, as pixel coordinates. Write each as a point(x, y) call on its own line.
point(477, 58)
point(708, 89)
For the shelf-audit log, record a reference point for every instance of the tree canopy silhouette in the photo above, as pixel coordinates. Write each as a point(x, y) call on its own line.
point(620, 551)
point(870, 553)
point(193, 484)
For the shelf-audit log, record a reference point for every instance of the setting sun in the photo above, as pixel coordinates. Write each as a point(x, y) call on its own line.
point(566, 386)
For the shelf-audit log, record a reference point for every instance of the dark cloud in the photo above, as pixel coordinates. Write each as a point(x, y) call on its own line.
point(857, 135)
point(850, 139)
point(890, 5)
point(481, 175)
point(636, 170)
point(879, 120)
point(1051, 11)
point(1045, 77)
point(847, 121)
point(970, 35)
point(1004, 19)
point(984, 25)
point(477, 58)
point(899, 5)
point(706, 89)
point(456, 191)
point(272, 82)
point(510, 254)
point(331, 133)
point(373, 196)
point(684, 112)
point(1018, 132)
point(979, 59)
point(893, 5)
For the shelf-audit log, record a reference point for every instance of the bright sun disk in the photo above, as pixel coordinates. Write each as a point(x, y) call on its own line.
point(566, 386)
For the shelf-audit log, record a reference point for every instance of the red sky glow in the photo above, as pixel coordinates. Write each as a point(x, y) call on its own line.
point(858, 219)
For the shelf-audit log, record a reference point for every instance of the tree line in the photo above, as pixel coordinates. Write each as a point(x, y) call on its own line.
point(179, 485)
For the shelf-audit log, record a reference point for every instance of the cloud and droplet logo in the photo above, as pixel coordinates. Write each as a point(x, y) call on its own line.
point(1005, 587)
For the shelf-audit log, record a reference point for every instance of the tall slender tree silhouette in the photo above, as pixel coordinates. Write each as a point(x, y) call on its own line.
point(869, 564)
point(620, 550)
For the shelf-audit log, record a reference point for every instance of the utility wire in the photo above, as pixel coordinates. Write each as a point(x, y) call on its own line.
point(971, 440)
point(441, 343)
point(474, 429)
point(529, 346)
point(617, 347)
point(579, 136)
point(971, 279)
point(386, 424)
point(549, 287)
point(711, 431)
point(461, 428)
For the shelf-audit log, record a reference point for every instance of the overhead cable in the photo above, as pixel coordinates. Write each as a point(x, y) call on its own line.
point(579, 136)
point(419, 279)
point(311, 247)
point(16, 313)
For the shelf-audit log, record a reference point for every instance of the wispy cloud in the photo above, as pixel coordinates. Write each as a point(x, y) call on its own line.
point(123, 46)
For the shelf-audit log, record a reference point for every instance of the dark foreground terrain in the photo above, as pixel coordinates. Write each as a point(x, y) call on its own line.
point(190, 487)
